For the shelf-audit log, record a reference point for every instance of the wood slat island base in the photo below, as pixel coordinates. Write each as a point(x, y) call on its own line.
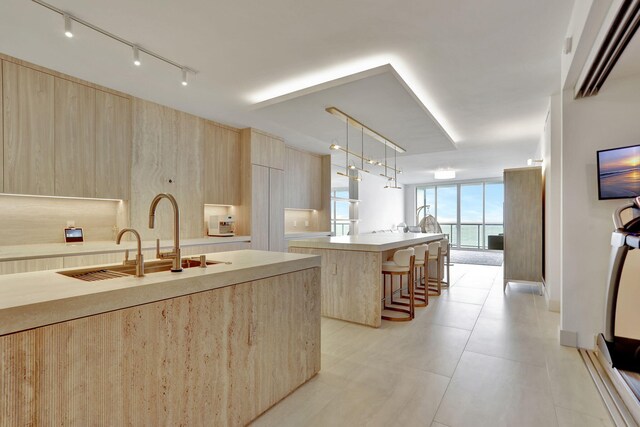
point(352, 271)
point(220, 357)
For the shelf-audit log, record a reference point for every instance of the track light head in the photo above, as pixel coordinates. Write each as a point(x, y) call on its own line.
point(136, 56)
point(334, 147)
point(184, 77)
point(67, 26)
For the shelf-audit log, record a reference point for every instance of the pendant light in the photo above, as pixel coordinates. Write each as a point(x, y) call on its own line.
point(346, 156)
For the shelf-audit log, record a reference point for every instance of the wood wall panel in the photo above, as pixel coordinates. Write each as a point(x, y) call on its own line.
point(168, 150)
point(37, 220)
point(28, 114)
point(113, 146)
point(75, 139)
point(222, 165)
point(152, 166)
point(218, 357)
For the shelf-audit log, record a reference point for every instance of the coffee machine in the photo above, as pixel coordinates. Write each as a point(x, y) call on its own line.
point(221, 226)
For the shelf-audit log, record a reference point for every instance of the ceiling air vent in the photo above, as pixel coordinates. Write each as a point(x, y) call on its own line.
point(616, 40)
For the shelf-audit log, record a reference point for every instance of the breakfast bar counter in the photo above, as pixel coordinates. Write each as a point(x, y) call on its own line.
point(351, 271)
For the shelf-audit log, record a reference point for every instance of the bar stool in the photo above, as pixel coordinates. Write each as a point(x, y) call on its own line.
point(445, 246)
point(403, 264)
point(421, 294)
point(434, 257)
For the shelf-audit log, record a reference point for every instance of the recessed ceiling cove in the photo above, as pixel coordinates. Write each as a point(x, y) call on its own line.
point(381, 100)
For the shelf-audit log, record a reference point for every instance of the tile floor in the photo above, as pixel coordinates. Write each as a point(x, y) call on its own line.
point(473, 357)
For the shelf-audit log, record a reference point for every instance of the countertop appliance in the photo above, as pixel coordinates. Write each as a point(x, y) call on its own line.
point(221, 226)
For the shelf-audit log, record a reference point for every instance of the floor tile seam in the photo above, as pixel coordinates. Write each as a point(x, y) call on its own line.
point(584, 413)
point(508, 359)
point(455, 369)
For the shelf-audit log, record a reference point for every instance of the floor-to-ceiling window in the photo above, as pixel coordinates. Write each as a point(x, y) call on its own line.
point(468, 212)
point(340, 223)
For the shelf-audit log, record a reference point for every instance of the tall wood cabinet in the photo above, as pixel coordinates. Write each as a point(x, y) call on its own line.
point(262, 177)
point(523, 225)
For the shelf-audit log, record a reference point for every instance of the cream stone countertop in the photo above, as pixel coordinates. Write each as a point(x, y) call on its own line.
point(30, 300)
point(52, 250)
point(306, 234)
point(375, 242)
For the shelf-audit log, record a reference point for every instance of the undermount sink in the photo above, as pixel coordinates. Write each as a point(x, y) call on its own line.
point(120, 270)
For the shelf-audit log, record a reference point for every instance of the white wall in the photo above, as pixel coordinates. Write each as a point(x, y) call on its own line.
point(607, 120)
point(379, 208)
point(552, 156)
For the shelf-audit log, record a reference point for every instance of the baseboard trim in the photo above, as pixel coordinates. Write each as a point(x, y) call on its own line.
point(568, 338)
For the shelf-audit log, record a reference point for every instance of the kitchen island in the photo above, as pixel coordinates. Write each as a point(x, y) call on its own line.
point(207, 346)
point(352, 271)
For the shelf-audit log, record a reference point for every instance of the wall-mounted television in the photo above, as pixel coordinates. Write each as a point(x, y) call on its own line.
point(619, 173)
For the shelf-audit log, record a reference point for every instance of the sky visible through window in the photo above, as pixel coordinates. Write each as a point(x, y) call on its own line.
point(478, 220)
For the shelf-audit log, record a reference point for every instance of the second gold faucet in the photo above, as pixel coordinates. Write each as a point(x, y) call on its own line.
point(175, 253)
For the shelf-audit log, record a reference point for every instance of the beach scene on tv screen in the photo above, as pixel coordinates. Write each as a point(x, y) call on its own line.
point(620, 173)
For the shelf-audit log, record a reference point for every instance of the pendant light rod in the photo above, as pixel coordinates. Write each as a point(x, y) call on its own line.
point(359, 125)
point(366, 160)
point(113, 36)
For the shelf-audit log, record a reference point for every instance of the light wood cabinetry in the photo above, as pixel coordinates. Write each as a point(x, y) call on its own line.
point(1, 133)
point(188, 187)
point(523, 225)
point(260, 207)
point(113, 146)
point(262, 197)
point(62, 137)
point(221, 165)
point(303, 180)
point(75, 139)
point(219, 357)
point(266, 150)
point(276, 210)
point(167, 158)
point(28, 113)
point(24, 266)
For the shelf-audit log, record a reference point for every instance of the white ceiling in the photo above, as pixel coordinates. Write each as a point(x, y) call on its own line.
point(483, 68)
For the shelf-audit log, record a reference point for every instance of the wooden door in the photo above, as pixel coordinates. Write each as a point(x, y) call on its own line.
point(28, 113)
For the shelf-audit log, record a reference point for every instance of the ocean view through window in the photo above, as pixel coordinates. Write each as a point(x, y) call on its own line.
point(468, 212)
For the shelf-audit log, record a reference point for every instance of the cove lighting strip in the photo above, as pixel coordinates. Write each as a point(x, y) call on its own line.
point(360, 126)
point(68, 31)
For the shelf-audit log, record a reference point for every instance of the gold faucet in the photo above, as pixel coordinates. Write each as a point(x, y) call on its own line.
point(139, 261)
point(175, 253)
